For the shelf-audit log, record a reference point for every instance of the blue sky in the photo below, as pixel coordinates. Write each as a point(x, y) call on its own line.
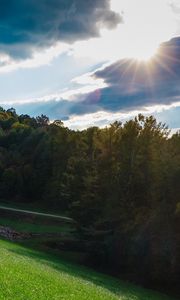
point(91, 62)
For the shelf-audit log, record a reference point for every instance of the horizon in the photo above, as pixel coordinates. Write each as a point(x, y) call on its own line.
point(91, 64)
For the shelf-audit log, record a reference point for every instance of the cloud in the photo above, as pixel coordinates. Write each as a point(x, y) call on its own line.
point(175, 5)
point(131, 84)
point(126, 87)
point(8, 64)
point(26, 26)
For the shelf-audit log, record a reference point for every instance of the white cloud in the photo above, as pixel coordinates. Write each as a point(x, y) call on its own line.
point(44, 57)
point(102, 118)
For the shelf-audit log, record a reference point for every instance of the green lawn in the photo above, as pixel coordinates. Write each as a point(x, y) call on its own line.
point(28, 274)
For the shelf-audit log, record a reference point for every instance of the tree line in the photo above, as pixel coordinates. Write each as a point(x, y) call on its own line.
point(120, 183)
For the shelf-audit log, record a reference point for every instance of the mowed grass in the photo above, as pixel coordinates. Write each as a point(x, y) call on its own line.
point(28, 274)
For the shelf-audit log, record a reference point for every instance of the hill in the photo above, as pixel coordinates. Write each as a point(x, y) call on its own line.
point(28, 274)
point(120, 184)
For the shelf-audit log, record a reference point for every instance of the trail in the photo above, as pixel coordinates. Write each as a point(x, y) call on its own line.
point(36, 213)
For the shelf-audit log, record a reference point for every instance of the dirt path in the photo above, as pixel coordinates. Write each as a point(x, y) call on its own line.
point(37, 213)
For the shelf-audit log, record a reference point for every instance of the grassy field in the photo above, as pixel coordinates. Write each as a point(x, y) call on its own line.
point(28, 274)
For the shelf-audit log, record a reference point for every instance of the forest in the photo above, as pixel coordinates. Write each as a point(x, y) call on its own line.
point(121, 184)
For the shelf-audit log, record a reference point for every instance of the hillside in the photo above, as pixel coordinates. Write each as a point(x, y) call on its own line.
point(120, 185)
point(28, 274)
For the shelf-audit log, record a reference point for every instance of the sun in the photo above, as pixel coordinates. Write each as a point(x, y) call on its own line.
point(144, 52)
point(145, 25)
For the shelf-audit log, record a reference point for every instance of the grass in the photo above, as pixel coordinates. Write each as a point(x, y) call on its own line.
point(25, 226)
point(30, 275)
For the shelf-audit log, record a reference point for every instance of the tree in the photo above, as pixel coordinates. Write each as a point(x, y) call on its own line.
point(42, 121)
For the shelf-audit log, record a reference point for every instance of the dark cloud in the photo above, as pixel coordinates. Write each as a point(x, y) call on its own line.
point(131, 85)
point(29, 24)
point(53, 109)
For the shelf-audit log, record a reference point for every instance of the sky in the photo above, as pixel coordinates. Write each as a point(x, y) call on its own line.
point(91, 62)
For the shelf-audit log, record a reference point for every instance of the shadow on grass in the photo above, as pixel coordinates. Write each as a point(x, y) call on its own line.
point(121, 289)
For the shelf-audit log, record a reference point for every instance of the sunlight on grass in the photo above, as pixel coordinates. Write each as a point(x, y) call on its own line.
point(28, 274)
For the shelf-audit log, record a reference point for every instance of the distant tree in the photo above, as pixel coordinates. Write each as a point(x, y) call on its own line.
point(58, 123)
point(26, 119)
point(2, 109)
point(42, 121)
point(12, 112)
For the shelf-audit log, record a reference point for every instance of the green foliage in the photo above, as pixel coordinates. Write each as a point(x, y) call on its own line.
point(120, 183)
point(34, 227)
